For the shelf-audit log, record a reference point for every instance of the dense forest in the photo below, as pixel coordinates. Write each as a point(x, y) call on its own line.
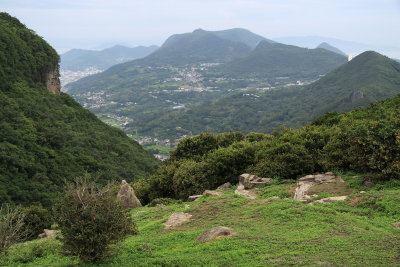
point(365, 141)
point(46, 139)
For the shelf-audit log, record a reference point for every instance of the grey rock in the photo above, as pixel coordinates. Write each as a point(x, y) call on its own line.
point(194, 198)
point(215, 233)
point(308, 181)
point(177, 219)
point(225, 186)
point(368, 184)
point(47, 233)
point(127, 196)
point(250, 180)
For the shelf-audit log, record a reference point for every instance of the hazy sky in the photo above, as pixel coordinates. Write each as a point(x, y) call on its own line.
point(92, 24)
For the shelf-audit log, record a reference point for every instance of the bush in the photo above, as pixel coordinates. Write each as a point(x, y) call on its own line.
point(36, 219)
point(90, 219)
point(11, 228)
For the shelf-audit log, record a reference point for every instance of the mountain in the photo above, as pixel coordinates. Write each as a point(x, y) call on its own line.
point(367, 78)
point(80, 59)
point(242, 36)
point(197, 47)
point(270, 60)
point(328, 47)
point(45, 136)
point(349, 47)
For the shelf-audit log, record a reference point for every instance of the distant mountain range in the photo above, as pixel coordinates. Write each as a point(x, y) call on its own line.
point(80, 59)
point(348, 47)
point(367, 78)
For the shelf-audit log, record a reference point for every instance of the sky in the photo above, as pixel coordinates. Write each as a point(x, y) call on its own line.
point(97, 24)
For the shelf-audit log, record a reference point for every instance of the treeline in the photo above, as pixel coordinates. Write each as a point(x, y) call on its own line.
point(365, 141)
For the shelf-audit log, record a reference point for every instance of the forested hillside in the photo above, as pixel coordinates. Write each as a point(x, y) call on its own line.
point(366, 79)
point(47, 138)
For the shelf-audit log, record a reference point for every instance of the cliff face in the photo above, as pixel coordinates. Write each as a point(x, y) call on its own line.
point(53, 81)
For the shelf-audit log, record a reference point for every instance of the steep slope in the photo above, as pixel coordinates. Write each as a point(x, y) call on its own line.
point(47, 137)
point(328, 47)
point(197, 47)
point(270, 60)
point(79, 59)
point(367, 78)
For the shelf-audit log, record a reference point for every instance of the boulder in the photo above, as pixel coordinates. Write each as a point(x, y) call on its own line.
point(329, 200)
point(246, 193)
point(308, 181)
point(212, 193)
point(177, 219)
point(225, 186)
point(127, 196)
point(194, 198)
point(47, 233)
point(250, 180)
point(396, 225)
point(215, 233)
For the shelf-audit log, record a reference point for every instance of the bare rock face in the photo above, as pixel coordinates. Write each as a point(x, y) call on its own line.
point(215, 233)
point(47, 233)
point(250, 180)
point(251, 193)
point(53, 81)
point(127, 196)
point(329, 200)
point(177, 219)
point(212, 193)
point(308, 181)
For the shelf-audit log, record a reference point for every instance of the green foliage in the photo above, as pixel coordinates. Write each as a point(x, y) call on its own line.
point(90, 219)
point(46, 138)
point(36, 219)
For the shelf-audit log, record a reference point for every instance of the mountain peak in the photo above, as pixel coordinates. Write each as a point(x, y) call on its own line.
point(326, 46)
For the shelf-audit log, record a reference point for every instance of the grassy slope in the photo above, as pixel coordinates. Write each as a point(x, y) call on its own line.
point(278, 232)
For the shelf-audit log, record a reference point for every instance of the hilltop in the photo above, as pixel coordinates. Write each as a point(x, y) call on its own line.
point(47, 137)
point(328, 47)
point(272, 60)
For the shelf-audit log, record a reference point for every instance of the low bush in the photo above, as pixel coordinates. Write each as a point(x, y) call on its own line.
point(90, 219)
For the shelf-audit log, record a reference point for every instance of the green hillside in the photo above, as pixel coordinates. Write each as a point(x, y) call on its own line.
point(367, 78)
point(272, 60)
point(46, 138)
point(196, 47)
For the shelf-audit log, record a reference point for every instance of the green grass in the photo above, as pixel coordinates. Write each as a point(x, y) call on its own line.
point(280, 232)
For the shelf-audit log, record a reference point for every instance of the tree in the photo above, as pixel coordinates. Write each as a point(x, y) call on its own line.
point(11, 228)
point(91, 218)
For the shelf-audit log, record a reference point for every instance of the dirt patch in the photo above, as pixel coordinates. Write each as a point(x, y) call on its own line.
point(353, 201)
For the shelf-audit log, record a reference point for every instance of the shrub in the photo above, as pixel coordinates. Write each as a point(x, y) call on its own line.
point(90, 219)
point(11, 228)
point(36, 219)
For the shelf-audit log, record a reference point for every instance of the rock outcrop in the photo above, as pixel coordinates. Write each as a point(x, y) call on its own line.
point(308, 181)
point(47, 233)
point(215, 233)
point(53, 83)
point(225, 186)
point(194, 198)
point(177, 219)
point(127, 196)
point(250, 180)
